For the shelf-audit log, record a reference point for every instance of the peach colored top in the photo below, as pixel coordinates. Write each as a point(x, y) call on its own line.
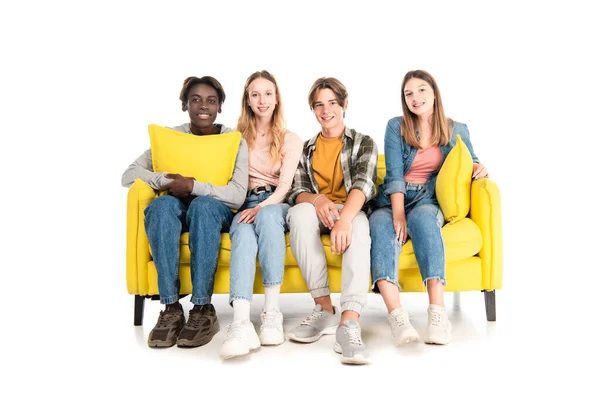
point(262, 171)
point(426, 161)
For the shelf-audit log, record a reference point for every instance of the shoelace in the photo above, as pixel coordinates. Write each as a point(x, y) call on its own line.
point(314, 316)
point(195, 320)
point(234, 331)
point(270, 319)
point(165, 319)
point(435, 318)
point(354, 336)
point(400, 320)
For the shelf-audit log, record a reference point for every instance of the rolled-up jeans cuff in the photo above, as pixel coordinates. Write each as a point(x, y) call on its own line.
point(200, 301)
point(352, 306)
point(320, 292)
point(375, 289)
point(441, 278)
point(169, 299)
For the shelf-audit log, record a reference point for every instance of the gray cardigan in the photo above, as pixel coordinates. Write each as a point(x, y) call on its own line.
point(232, 195)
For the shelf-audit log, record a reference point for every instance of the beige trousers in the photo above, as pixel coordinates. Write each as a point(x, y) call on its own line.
point(305, 241)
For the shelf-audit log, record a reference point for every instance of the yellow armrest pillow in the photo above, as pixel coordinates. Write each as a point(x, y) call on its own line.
point(209, 158)
point(453, 185)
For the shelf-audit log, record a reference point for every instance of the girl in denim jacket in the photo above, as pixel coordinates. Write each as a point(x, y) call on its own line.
point(416, 146)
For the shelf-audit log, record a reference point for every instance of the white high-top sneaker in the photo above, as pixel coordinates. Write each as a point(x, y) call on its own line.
point(271, 328)
point(241, 338)
point(439, 329)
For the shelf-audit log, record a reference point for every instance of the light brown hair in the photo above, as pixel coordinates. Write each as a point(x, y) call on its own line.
point(441, 131)
point(337, 87)
point(247, 120)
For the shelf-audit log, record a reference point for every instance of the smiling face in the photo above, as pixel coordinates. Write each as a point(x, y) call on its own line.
point(262, 97)
point(329, 112)
point(203, 105)
point(419, 97)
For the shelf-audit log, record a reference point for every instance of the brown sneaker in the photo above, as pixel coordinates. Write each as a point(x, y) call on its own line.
point(167, 328)
point(201, 326)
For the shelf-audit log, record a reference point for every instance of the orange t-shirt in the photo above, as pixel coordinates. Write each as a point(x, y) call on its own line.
point(327, 168)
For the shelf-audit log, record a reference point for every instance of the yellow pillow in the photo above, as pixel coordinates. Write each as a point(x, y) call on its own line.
point(453, 186)
point(208, 158)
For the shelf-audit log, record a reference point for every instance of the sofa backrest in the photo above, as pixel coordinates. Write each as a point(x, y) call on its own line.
point(380, 169)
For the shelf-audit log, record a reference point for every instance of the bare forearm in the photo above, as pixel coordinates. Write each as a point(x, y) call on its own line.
point(306, 197)
point(397, 200)
point(354, 203)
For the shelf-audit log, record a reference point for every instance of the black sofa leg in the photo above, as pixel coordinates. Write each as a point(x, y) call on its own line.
point(490, 304)
point(138, 316)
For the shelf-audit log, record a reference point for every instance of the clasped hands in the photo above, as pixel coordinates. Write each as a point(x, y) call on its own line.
point(340, 236)
point(180, 186)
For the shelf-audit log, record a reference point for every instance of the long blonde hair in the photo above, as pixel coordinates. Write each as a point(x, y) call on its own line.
point(441, 131)
point(247, 121)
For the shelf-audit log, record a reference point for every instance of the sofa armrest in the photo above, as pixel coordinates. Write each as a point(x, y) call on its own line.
point(486, 212)
point(138, 255)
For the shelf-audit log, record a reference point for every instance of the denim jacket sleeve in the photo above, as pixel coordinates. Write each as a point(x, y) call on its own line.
point(394, 159)
point(462, 130)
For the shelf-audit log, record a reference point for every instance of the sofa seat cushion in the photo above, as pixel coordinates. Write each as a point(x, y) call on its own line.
point(461, 275)
point(462, 240)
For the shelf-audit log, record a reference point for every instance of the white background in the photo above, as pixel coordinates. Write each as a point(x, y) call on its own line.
point(80, 82)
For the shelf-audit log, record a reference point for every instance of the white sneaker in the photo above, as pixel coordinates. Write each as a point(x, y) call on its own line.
point(271, 328)
point(241, 338)
point(402, 330)
point(439, 329)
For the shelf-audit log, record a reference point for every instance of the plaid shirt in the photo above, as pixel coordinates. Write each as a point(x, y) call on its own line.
point(359, 167)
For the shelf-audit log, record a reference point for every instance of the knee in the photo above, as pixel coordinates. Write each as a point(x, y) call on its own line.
point(424, 217)
point(202, 207)
point(379, 221)
point(271, 216)
point(360, 228)
point(301, 215)
point(162, 206)
point(240, 232)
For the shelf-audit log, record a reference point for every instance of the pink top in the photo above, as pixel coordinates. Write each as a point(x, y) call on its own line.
point(426, 161)
point(262, 171)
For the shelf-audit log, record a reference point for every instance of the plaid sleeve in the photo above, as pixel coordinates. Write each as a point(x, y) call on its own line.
point(366, 168)
point(301, 181)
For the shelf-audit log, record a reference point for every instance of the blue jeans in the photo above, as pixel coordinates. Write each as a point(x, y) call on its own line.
point(424, 221)
point(166, 217)
point(265, 236)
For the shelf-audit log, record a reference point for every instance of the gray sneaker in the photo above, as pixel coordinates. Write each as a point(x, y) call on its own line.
point(349, 344)
point(317, 324)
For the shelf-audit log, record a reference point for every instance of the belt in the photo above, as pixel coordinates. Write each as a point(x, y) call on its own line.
point(261, 189)
point(414, 186)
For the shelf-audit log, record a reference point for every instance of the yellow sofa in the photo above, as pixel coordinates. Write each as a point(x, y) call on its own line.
point(473, 253)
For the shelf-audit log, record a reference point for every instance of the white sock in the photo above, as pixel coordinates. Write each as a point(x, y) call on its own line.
point(272, 297)
point(241, 310)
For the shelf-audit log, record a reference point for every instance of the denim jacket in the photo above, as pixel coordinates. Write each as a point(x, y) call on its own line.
point(399, 156)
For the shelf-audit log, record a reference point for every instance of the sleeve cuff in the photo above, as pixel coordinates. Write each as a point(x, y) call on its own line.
point(394, 187)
